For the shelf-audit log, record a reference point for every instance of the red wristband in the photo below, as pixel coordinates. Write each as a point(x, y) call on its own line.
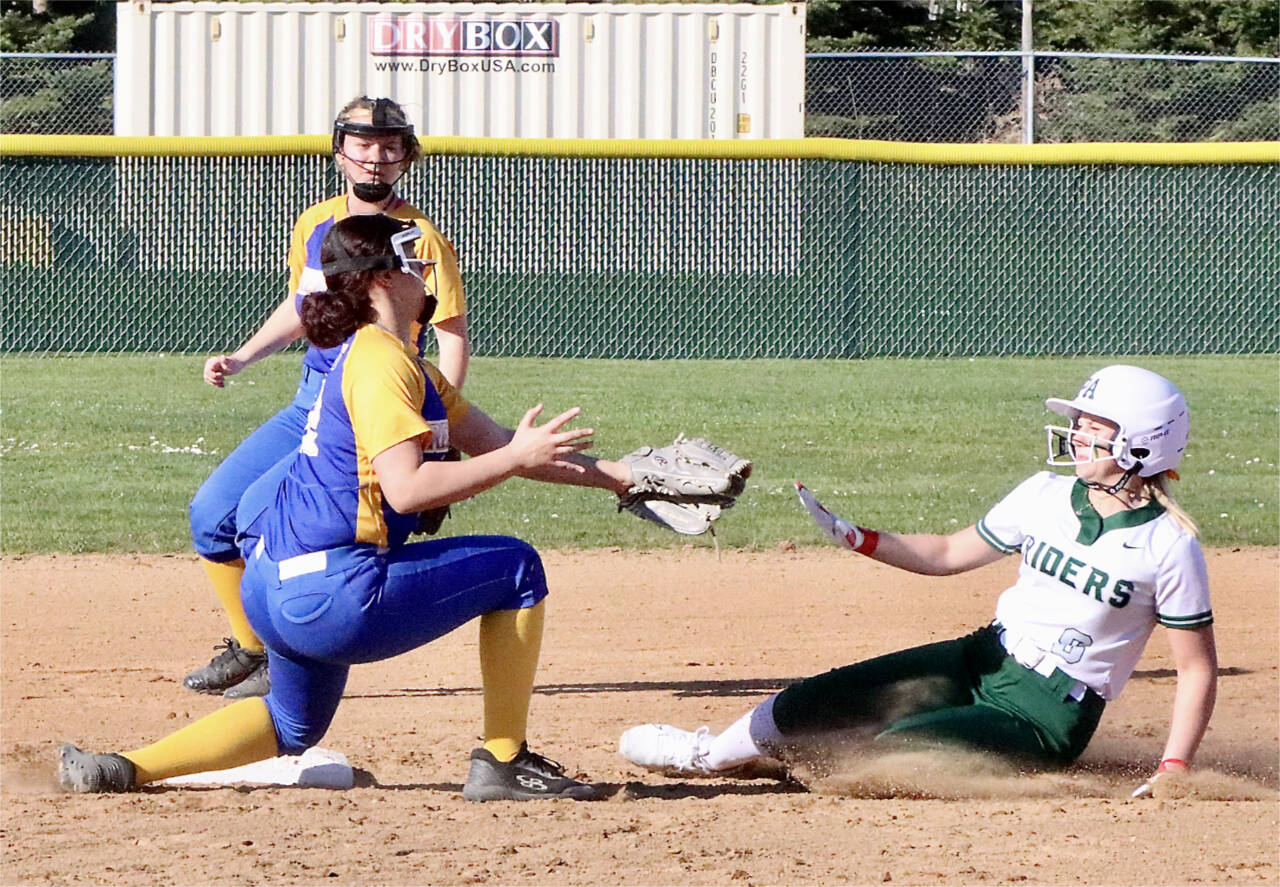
point(870, 539)
point(1172, 764)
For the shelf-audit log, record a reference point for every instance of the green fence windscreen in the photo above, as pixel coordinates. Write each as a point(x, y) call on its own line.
point(674, 258)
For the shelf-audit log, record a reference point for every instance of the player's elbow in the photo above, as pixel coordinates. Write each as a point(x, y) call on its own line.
point(400, 495)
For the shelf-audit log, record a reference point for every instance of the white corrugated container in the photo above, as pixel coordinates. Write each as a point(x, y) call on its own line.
point(532, 70)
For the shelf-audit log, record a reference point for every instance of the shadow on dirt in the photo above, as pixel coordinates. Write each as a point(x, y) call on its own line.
point(747, 687)
point(686, 689)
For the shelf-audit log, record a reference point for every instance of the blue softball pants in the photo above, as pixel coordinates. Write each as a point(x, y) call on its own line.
point(358, 605)
point(213, 509)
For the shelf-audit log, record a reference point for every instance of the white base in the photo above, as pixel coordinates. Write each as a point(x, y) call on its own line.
point(314, 768)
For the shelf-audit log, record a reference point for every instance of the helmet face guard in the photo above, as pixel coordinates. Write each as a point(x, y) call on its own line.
point(1063, 442)
point(402, 257)
point(402, 245)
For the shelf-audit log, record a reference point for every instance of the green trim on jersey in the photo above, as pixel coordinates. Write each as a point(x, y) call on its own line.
point(993, 540)
point(1196, 620)
point(1093, 525)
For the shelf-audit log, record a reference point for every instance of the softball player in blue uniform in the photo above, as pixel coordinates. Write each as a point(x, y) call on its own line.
point(1105, 557)
point(331, 579)
point(373, 144)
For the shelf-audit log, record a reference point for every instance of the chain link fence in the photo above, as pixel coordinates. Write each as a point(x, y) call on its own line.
point(674, 258)
point(1077, 97)
point(898, 96)
point(66, 93)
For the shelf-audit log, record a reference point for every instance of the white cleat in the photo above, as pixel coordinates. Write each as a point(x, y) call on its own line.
point(668, 750)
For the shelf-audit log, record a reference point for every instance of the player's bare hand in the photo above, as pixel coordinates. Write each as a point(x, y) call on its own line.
point(218, 367)
point(535, 446)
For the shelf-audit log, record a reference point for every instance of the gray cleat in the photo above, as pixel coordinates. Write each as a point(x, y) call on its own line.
point(258, 683)
point(82, 771)
point(227, 669)
point(527, 777)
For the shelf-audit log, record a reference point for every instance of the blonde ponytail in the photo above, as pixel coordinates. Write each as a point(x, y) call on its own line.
point(1158, 489)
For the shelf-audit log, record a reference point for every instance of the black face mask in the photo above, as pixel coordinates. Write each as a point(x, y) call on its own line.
point(372, 192)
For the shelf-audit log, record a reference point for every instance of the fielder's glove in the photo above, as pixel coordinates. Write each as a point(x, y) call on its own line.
point(684, 486)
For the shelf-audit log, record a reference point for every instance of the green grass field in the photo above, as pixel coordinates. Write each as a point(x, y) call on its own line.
point(102, 453)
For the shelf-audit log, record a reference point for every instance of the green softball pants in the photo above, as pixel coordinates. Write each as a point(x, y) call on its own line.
point(968, 692)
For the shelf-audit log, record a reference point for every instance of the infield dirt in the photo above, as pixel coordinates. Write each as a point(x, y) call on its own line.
point(94, 649)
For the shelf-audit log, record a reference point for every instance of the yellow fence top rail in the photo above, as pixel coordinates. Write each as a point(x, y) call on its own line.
point(1153, 153)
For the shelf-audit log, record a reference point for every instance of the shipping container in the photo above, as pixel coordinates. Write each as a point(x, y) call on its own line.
point(528, 70)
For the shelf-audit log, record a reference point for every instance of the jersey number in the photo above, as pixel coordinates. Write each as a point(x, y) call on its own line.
point(1071, 644)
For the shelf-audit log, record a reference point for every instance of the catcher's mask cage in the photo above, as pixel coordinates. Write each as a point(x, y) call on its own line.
point(1150, 415)
point(402, 256)
point(380, 123)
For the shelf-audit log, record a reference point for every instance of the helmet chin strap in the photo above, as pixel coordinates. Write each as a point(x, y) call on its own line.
point(1118, 485)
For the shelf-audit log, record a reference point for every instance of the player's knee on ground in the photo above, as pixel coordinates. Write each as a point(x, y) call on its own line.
point(293, 737)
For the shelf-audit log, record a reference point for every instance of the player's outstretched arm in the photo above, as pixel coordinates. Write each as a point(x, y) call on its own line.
point(278, 331)
point(925, 553)
point(936, 555)
point(477, 433)
point(549, 452)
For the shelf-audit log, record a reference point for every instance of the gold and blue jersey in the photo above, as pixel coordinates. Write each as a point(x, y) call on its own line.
point(443, 279)
point(377, 394)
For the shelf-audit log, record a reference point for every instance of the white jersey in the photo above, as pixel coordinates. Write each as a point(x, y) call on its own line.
point(1090, 590)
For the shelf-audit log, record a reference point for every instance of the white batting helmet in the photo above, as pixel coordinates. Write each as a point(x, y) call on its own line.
point(1150, 412)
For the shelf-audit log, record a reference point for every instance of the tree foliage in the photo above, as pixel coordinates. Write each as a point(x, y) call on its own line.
point(979, 99)
point(63, 27)
point(56, 95)
point(1219, 27)
point(1211, 27)
point(839, 25)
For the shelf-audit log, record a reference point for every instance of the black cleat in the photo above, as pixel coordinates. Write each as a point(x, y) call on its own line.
point(527, 777)
point(258, 683)
point(227, 669)
point(82, 771)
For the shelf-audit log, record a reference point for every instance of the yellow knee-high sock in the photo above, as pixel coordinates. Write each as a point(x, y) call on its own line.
point(509, 644)
point(226, 585)
point(239, 734)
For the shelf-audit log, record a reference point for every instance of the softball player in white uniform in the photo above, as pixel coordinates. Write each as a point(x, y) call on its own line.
point(1105, 556)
